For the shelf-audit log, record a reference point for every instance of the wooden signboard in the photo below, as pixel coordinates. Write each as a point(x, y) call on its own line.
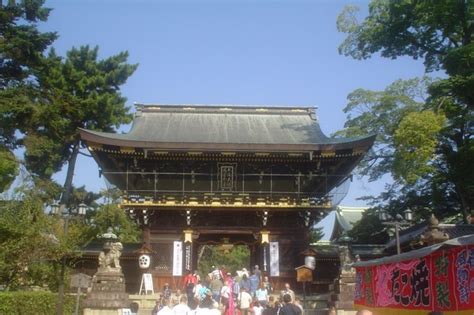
point(80, 280)
point(304, 274)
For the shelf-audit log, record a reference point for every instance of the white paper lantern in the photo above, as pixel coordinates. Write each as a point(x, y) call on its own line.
point(144, 261)
point(310, 262)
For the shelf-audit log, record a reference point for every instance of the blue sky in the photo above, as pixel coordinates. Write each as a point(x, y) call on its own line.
point(227, 52)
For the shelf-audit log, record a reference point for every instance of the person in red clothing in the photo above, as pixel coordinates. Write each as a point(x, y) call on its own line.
point(189, 278)
point(189, 282)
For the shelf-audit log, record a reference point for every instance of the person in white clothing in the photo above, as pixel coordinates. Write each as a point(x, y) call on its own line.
point(225, 294)
point(203, 311)
point(244, 299)
point(182, 308)
point(257, 308)
point(215, 309)
point(166, 309)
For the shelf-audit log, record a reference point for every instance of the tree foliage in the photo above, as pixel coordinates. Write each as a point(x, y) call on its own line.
point(111, 215)
point(424, 143)
point(415, 142)
point(233, 259)
point(21, 44)
point(34, 303)
point(80, 91)
point(369, 229)
point(315, 234)
point(34, 242)
point(21, 49)
point(420, 29)
point(28, 242)
point(9, 168)
point(382, 113)
point(44, 99)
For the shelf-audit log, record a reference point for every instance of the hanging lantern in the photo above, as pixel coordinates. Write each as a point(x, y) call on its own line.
point(309, 258)
point(144, 261)
point(310, 262)
point(265, 237)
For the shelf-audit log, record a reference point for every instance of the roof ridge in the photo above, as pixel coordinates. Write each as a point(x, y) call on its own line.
point(223, 109)
point(270, 106)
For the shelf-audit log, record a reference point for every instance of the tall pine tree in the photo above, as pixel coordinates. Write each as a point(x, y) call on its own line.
point(21, 54)
point(79, 91)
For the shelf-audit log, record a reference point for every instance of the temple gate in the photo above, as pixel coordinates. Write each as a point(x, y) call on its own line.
point(193, 175)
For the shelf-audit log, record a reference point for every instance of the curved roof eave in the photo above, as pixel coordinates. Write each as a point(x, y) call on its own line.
point(122, 140)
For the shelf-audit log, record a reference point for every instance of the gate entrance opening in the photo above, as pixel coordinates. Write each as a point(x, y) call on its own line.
point(227, 257)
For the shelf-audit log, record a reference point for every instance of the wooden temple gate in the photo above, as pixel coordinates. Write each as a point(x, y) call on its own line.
point(260, 176)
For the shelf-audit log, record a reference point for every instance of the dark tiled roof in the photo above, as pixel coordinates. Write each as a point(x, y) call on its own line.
point(417, 253)
point(326, 250)
point(455, 231)
point(414, 233)
point(345, 218)
point(365, 250)
point(162, 124)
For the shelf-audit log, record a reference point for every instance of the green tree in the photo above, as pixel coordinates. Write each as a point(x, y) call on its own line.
point(29, 242)
point(315, 234)
point(79, 91)
point(369, 229)
point(233, 258)
point(8, 168)
point(380, 113)
point(21, 44)
point(415, 142)
point(21, 49)
point(438, 161)
point(111, 215)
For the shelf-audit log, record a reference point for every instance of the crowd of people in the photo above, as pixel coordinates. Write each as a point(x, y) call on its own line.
point(220, 293)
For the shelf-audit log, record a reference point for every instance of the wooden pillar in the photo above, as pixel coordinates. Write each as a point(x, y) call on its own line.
point(254, 255)
point(146, 235)
point(265, 252)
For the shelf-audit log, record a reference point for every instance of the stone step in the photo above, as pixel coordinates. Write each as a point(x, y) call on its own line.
point(315, 304)
point(321, 311)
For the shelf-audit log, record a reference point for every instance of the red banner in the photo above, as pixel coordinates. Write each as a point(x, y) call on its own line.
point(441, 281)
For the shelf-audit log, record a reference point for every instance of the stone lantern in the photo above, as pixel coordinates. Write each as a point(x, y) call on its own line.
point(107, 294)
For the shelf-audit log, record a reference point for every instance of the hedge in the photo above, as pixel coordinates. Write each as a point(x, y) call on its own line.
point(33, 303)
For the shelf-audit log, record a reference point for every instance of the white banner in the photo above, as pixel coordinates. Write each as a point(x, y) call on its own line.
point(274, 260)
point(178, 258)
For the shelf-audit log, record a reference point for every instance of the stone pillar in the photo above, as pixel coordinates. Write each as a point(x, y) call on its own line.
point(342, 292)
point(343, 297)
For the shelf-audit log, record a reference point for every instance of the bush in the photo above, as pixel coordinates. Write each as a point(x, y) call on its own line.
point(32, 303)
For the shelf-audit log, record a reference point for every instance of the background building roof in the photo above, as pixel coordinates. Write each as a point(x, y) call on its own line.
point(413, 233)
point(460, 241)
point(345, 218)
